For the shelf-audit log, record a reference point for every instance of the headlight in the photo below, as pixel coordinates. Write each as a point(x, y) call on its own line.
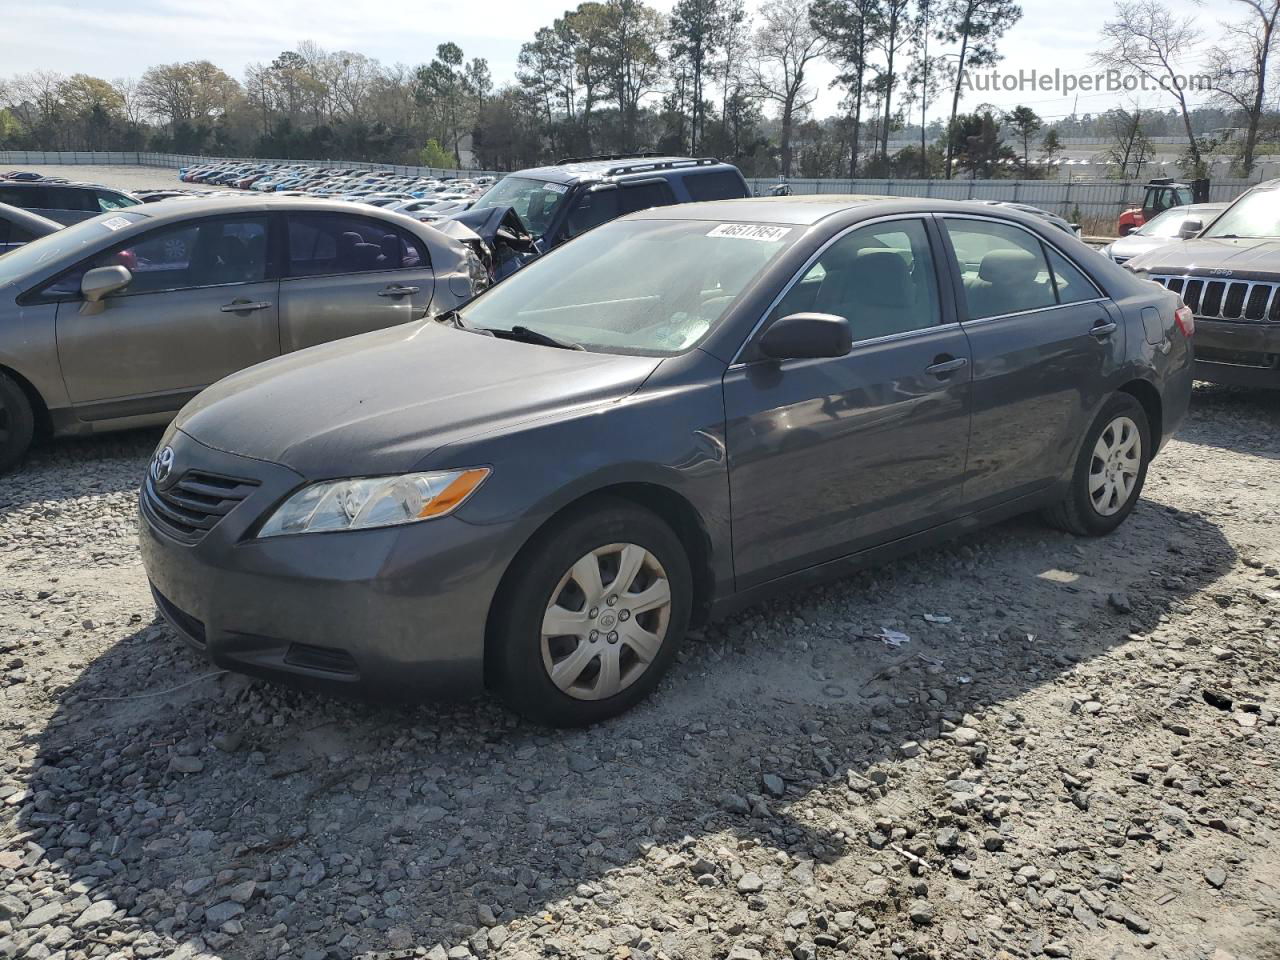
point(362, 503)
point(477, 271)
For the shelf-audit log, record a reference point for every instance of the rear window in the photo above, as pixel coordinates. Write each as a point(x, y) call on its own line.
point(29, 198)
point(717, 185)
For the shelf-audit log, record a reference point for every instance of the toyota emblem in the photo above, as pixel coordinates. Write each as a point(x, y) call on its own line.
point(162, 465)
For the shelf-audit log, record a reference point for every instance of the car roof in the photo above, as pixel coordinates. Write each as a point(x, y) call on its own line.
point(810, 208)
point(32, 221)
point(182, 208)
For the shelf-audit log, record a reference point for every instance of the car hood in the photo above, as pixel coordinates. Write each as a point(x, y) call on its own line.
point(1135, 245)
point(1242, 257)
point(381, 402)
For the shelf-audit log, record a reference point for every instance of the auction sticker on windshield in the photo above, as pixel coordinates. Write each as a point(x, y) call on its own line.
point(750, 231)
point(555, 188)
point(115, 223)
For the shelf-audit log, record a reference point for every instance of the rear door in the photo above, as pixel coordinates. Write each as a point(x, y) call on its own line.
point(202, 304)
point(828, 457)
point(1046, 346)
point(346, 273)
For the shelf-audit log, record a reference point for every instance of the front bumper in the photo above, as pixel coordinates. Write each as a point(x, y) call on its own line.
point(397, 612)
point(1242, 353)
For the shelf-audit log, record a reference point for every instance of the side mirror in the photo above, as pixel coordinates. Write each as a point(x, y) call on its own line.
point(99, 283)
point(1190, 228)
point(807, 336)
point(1126, 230)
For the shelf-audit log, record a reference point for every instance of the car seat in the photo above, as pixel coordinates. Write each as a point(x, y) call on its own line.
point(1007, 282)
point(870, 288)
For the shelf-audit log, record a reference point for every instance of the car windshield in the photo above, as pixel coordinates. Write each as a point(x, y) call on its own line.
point(653, 287)
point(535, 200)
point(1256, 214)
point(17, 264)
point(1166, 224)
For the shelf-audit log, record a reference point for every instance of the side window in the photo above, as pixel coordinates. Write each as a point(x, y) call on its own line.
point(110, 201)
point(201, 254)
point(69, 198)
point(718, 185)
point(1003, 267)
point(642, 196)
point(8, 230)
point(880, 278)
point(29, 198)
point(592, 209)
point(1072, 285)
point(17, 233)
point(326, 244)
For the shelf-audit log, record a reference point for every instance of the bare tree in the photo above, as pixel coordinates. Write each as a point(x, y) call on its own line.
point(1238, 68)
point(1147, 39)
point(977, 25)
point(785, 45)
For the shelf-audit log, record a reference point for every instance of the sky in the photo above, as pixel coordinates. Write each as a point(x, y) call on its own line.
point(112, 39)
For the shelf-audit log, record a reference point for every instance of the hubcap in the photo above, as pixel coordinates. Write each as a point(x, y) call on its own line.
point(606, 621)
point(1113, 471)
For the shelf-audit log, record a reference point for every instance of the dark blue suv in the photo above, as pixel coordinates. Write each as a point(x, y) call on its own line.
point(561, 201)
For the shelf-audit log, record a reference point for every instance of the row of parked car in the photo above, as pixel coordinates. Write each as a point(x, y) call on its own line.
point(388, 473)
point(423, 198)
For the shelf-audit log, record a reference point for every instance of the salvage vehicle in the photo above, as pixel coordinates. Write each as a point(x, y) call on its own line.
point(1228, 276)
point(1175, 224)
point(116, 322)
point(557, 203)
point(64, 202)
point(1161, 194)
point(535, 492)
point(18, 226)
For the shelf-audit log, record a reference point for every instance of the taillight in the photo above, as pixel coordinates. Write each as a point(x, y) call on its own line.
point(1185, 319)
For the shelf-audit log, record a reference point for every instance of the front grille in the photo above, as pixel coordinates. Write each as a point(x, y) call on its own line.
point(193, 506)
point(1248, 301)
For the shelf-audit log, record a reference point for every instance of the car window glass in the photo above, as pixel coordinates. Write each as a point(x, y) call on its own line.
point(592, 209)
point(880, 278)
point(717, 185)
point(1003, 268)
point(1073, 286)
point(69, 198)
point(338, 243)
point(17, 233)
point(642, 196)
point(29, 198)
point(201, 254)
point(111, 201)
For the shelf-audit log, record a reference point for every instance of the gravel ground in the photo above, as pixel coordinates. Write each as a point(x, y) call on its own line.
point(1074, 755)
point(120, 176)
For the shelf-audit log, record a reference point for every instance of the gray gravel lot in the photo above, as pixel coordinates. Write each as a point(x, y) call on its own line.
point(122, 177)
point(1075, 755)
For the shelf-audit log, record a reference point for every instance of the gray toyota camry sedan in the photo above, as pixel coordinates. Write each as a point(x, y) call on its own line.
point(674, 414)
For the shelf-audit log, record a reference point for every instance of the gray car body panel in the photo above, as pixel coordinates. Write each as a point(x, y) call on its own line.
point(92, 376)
point(699, 433)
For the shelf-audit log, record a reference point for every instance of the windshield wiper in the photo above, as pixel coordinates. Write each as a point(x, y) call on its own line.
point(528, 335)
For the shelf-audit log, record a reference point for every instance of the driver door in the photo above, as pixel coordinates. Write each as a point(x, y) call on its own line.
point(202, 304)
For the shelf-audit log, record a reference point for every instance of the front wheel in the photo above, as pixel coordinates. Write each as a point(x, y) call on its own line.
point(1109, 472)
point(592, 617)
point(17, 422)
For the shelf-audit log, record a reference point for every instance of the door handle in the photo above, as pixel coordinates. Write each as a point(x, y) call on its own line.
point(396, 290)
point(244, 306)
point(942, 367)
point(1103, 328)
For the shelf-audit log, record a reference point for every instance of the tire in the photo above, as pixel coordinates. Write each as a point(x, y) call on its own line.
point(1096, 504)
point(548, 572)
point(17, 422)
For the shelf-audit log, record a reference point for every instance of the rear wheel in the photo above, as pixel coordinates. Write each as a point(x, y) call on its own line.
point(1109, 472)
point(593, 616)
point(17, 422)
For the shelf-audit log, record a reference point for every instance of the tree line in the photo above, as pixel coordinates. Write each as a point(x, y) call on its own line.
point(617, 76)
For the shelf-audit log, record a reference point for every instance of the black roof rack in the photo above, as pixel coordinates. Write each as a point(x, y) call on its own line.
point(671, 164)
point(606, 156)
